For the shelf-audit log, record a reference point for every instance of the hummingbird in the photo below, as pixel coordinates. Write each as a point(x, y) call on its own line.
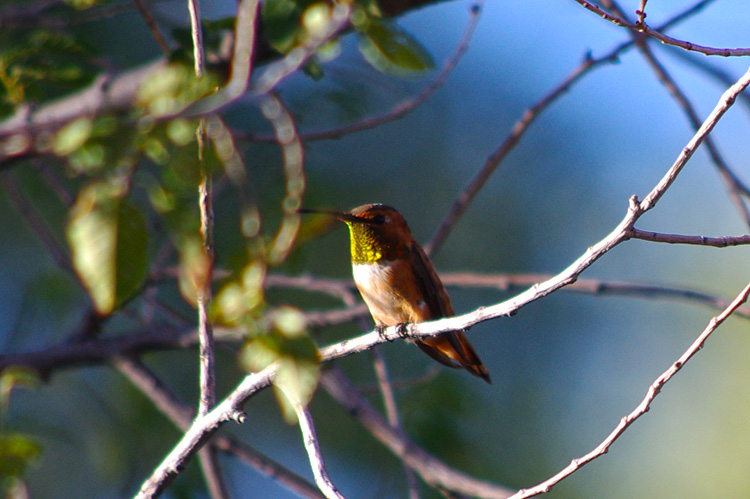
point(399, 284)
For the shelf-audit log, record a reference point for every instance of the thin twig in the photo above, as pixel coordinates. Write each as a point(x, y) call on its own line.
point(196, 31)
point(205, 203)
point(570, 274)
point(391, 411)
point(530, 114)
point(313, 453)
point(641, 12)
point(431, 469)
point(403, 108)
point(717, 242)
point(667, 40)
point(209, 462)
point(736, 187)
point(642, 408)
point(182, 416)
point(24, 208)
point(205, 328)
point(151, 23)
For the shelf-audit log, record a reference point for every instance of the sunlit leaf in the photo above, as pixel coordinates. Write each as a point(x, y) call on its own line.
point(72, 136)
point(83, 4)
point(173, 88)
point(281, 23)
point(14, 377)
point(237, 299)
point(295, 384)
point(392, 50)
point(109, 245)
point(297, 357)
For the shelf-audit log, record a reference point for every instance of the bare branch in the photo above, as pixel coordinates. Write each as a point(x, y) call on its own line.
point(493, 161)
point(643, 28)
point(151, 23)
point(403, 108)
point(94, 351)
point(24, 208)
point(736, 187)
point(391, 411)
point(196, 31)
point(182, 416)
point(202, 429)
point(432, 470)
point(643, 407)
point(313, 453)
point(717, 242)
point(570, 274)
point(207, 380)
point(641, 12)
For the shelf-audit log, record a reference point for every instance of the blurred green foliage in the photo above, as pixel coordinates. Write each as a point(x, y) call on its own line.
point(39, 64)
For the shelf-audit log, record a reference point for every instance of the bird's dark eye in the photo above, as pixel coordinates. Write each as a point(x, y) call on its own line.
point(378, 219)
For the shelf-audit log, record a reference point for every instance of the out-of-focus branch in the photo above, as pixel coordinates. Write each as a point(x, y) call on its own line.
point(642, 408)
point(736, 188)
point(151, 23)
point(117, 91)
point(519, 129)
point(432, 470)
point(96, 351)
point(403, 108)
point(391, 411)
point(39, 227)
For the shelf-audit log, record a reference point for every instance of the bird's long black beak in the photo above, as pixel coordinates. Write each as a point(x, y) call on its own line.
point(343, 216)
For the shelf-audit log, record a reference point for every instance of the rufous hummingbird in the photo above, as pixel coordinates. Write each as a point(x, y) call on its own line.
point(399, 284)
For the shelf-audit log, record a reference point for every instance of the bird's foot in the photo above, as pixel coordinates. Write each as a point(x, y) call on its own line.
point(380, 329)
point(402, 329)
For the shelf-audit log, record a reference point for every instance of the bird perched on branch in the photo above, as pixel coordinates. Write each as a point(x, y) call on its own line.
point(399, 283)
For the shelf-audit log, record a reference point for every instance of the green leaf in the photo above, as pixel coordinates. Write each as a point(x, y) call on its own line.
point(72, 136)
point(132, 250)
point(281, 21)
point(392, 50)
point(295, 384)
point(173, 88)
point(17, 452)
point(109, 244)
point(296, 354)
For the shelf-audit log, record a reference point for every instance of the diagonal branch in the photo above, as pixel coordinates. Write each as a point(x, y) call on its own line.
point(643, 407)
point(432, 470)
point(521, 126)
point(736, 187)
point(313, 453)
point(182, 416)
point(667, 40)
point(570, 274)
